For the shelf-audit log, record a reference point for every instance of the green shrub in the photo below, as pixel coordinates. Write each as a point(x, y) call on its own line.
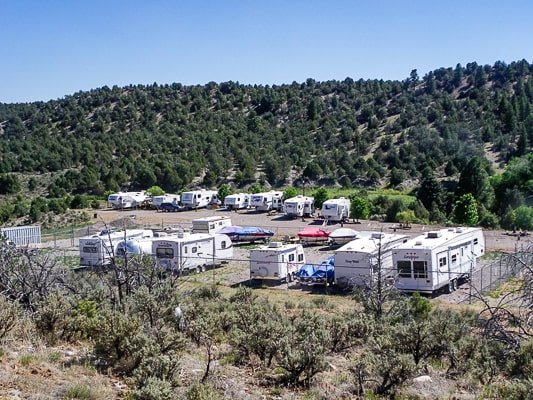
point(201, 391)
point(80, 392)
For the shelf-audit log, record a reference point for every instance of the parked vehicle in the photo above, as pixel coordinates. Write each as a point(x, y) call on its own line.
point(192, 251)
point(247, 234)
point(199, 198)
point(313, 274)
point(210, 224)
point(312, 235)
point(357, 263)
point(437, 259)
point(299, 206)
point(173, 199)
point(171, 207)
point(267, 201)
point(336, 210)
point(277, 261)
point(237, 201)
point(122, 200)
point(97, 250)
point(342, 236)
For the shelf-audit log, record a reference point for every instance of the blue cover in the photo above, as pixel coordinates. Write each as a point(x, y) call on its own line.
point(306, 271)
point(237, 233)
point(325, 271)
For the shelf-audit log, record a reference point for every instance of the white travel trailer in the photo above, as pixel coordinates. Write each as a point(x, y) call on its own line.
point(267, 201)
point(277, 261)
point(237, 201)
point(123, 200)
point(437, 259)
point(299, 206)
point(139, 245)
point(199, 198)
point(210, 224)
point(165, 198)
point(357, 262)
point(97, 250)
point(192, 251)
point(336, 210)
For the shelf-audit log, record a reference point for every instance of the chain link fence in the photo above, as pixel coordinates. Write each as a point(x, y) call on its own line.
point(488, 276)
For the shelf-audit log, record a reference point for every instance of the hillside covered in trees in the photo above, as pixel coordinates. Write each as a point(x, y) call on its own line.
point(423, 130)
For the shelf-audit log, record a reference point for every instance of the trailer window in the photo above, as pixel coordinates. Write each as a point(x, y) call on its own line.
point(404, 268)
point(89, 249)
point(420, 269)
point(291, 257)
point(223, 244)
point(185, 250)
point(442, 262)
point(454, 258)
point(300, 257)
point(164, 252)
point(194, 249)
point(475, 241)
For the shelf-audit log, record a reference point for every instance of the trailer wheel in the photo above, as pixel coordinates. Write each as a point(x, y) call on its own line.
point(455, 284)
point(198, 269)
point(204, 268)
point(289, 278)
point(452, 285)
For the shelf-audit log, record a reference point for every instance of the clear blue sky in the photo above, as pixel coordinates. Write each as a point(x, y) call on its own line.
point(52, 48)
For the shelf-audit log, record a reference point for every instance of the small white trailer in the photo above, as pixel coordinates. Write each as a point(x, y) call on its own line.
point(336, 210)
point(140, 245)
point(437, 259)
point(97, 250)
point(237, 201)
point(267, 201)
point(277, 261)
point(210, 224)
point(192, 251)
point(199, 198)
point(358, 262)
point(122, 200)
point(299, 206)
point(165, 198)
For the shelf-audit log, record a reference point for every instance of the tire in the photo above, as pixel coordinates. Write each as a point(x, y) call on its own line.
point(198, 269)
point(455, 284)
point(289, 278)
point(203, 268)
point(451, 285)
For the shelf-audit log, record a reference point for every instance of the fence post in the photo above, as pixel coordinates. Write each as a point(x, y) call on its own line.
point(481, 280)
point(72, 236)
point(55, 240)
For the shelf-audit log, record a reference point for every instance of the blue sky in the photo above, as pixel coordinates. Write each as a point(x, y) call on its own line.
point(53, 48)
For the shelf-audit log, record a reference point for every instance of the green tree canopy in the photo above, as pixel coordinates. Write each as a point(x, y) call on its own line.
point(360, 207)
point(465, 210)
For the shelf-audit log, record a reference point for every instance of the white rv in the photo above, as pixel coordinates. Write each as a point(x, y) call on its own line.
point(165, 198)
point(299, 206)
point(277, 261)
point(97, 250)
point(237, 201)
point(123, 200)
point(210, 224)
point(199, 198)
point(192, 251)
point(139, 245)
point(437, 259)
point(267, 201)
point(357, 262)
point(336, 210)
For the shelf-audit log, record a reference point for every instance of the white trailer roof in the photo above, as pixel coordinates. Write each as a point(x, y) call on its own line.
point(434, 239)
point(368, 242)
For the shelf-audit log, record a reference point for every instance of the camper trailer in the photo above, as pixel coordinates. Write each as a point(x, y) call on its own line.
point(299, 206)
point(140, 245)
point(192, 251)
point(122, 200)
point(199, 198)
point(267, 201)
point(237, 201)
point(437, 259)
point(358, 262)
point(97, 250)
point(165, 198)
point(277, 261)
point(336, 210)
point(210, 224)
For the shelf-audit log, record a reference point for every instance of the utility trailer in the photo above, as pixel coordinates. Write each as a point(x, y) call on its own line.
point(237, 201)
point(199, 198)
point(358, 262)
point(192, 252)
point(267, 201)
point(97, 250)
point(336, 210)
point(299, 206)
point(277, 261)
point(437, 259)
point(210, 224)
